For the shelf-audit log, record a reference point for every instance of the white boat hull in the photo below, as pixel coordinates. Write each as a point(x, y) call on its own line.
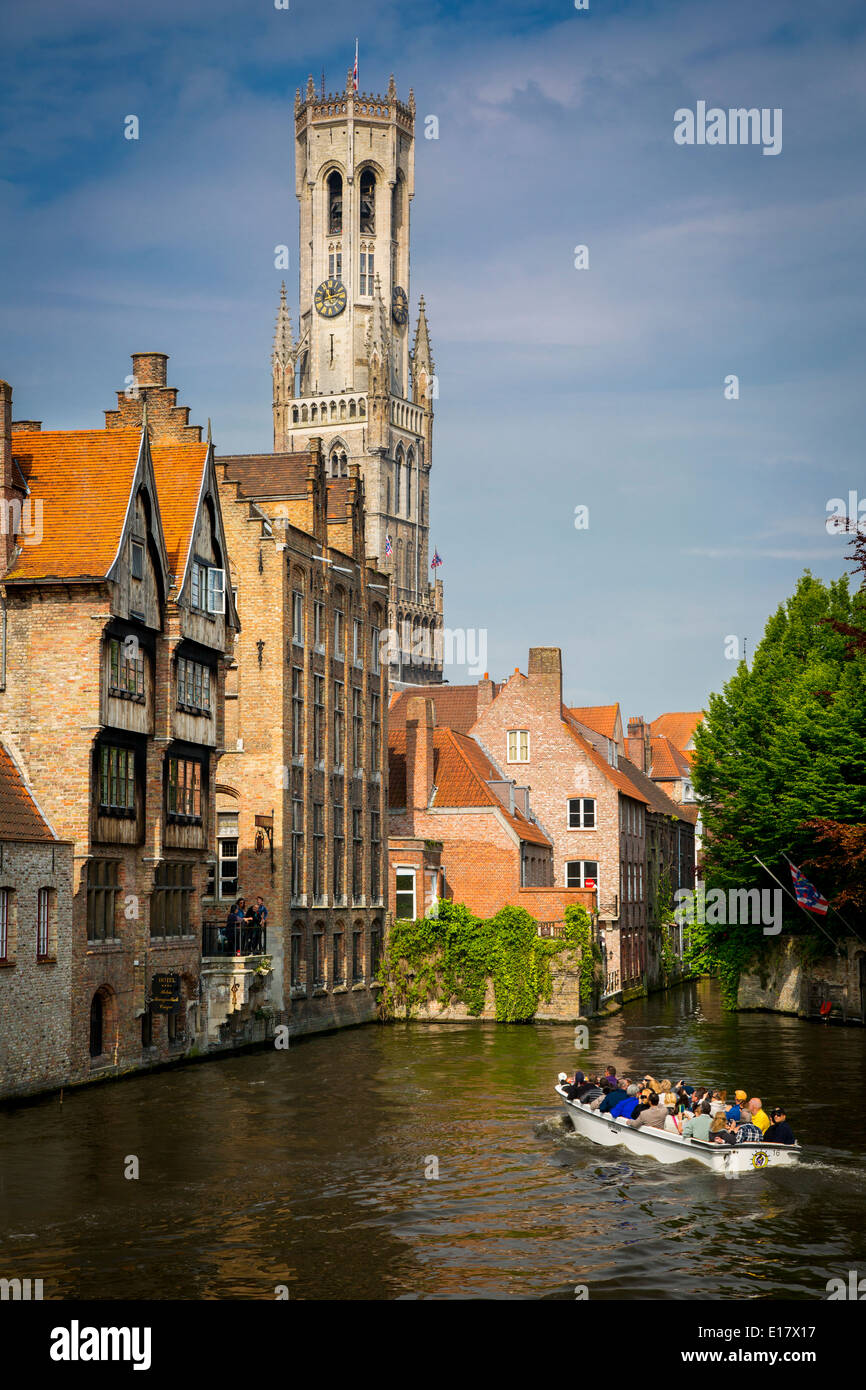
point(673, 1148)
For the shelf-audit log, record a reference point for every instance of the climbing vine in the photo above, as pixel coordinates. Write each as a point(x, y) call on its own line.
point(452, 958)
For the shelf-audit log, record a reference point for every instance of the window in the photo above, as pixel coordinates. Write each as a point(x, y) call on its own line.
point(318, 851)
point(375, 733)
point(338, 635)
point(43, 912)
point(319, 626)
point(374, 650)
point(335, 204)
point(137, 560)
point(357, 729)
point(96, 1026)
point(368, 203)
point(581, 813)
point(375, 858)
point(357, 858)
point(297, 843)
point(367, 277)
point(297, 618)
point(297, 712)
point(404, 897)
point(339, 851)
point(339, 722)
point(335, 265)
point(4, 924)
point(375, 951)
point(207, 588)
point(518, 746)
point(397, 470)
point(126, 667)
point(319, 719)
point(578, 871)
point(170, 900)
point(338, 959)
point(227, 854)
point(117, 779)
point(193, 685)
point(318, 960)
point(299, 962)
point(184, 787)
point(688, 791)
point(357, 642)
point(357, 956)
point(103, 885)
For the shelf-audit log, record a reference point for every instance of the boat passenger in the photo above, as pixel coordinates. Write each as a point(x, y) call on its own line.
point(735, 1112)
point(717, 1125)
point(673, 1123)
point(717, 1104)
point(780, 1132)
point(757, 1113)
point(587, 1090)
point(699, 1126)
point(652, 1083)
point(609, 1080)
point(747, 1133)
point(652, 1115)
point(606, 1104)
point(625, 1109)
point(572, 1084)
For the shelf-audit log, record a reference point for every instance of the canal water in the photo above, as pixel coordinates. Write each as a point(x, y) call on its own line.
point(308, 1168)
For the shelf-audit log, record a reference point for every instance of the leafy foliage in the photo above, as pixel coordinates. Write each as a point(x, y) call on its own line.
point(451, 958)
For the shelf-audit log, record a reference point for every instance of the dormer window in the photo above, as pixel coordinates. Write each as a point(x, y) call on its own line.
point(137, 560)
point(207, 588)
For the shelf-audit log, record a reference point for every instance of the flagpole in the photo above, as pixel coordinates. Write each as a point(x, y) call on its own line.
point(832, 909)
point(794, 899)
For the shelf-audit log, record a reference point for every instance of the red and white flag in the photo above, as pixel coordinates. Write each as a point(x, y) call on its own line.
point(355, 69)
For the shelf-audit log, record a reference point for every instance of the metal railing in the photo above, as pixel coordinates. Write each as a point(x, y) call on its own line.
point(217, 939)
point(611, 984)
point(551, 929)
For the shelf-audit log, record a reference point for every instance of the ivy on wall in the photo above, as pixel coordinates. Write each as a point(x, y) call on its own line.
point(451, 959)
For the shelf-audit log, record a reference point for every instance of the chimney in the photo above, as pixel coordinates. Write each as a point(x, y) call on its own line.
point(149, 368)
point(485, 693)
point(419, 752)
point(639, 729)
point(545, 672)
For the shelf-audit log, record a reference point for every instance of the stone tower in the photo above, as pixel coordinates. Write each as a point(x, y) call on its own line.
point(352, 376)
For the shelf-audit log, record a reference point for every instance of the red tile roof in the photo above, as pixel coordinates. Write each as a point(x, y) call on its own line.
point(652, 793)
point(456, 705)
point(600, 718)
point(678, 727)
point(613, 774)
point(178, 469)
point(83, 479)
point(267, 475)
point(461, 771)
point(20, 818)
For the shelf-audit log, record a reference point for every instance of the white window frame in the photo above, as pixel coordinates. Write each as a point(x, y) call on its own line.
point(515, 734)
point(297, 618)
point(582, 814)
point(411, 870)
point(582, 884)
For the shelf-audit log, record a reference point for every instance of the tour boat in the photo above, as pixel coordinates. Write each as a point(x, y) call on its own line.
point(673, 1148)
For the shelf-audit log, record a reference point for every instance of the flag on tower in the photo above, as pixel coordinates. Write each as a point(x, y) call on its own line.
point(388, 545)
point(807, 894)
point(436, 561)
point(355, 69)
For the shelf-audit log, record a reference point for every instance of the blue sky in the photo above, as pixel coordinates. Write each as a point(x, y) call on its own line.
point(558, 387)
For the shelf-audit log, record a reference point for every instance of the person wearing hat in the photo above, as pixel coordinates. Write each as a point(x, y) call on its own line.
point(780, 1132)
point(735, 1112)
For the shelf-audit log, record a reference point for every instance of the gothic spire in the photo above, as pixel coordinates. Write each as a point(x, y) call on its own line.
point(283, 345)
point(422, 356)
point(378, 336)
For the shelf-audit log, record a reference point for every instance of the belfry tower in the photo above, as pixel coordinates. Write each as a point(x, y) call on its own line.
point(352, 377)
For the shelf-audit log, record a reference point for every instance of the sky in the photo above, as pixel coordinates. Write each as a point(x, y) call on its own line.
point(559, 388)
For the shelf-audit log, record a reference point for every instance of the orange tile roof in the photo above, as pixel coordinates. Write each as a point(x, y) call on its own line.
point(655, 798)
point(20, 818)
point(667, 760)
point(267, 475)
point(83, 479)
point(456, 705)
point(600, 718)
point(178, 469)
point(460, 773)
point(678, 727)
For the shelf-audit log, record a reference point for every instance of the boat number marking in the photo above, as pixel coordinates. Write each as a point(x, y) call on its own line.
point(760, 1159)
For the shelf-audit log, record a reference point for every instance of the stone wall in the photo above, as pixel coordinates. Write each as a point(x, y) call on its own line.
point(786, 981)
point(563, 1006)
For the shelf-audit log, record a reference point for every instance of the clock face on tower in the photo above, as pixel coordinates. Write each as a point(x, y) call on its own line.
point(330, 298)
point(399, 305)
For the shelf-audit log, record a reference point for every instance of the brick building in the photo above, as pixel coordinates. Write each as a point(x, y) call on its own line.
point(35, 941)
point(116, 626)
point(458, 828)
point(300, 799)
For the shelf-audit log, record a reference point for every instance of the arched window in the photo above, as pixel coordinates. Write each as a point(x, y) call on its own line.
point(335, 204)
point(368, 203)
point(335, 260)
point(367, 276)
point(398, 470)
point(410, 461)
point(388, 496)
point(96, 1030)
point(410, 566)
point(422, 501)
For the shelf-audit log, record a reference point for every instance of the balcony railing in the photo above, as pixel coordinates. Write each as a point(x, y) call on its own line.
point(611, 984)
point(217, 939)
point(549, 929)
